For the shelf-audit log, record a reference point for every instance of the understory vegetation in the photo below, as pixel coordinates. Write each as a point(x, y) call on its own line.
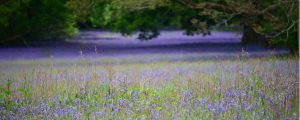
point(256, 88)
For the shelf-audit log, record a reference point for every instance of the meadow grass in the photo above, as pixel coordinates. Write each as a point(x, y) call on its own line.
point(255, 88)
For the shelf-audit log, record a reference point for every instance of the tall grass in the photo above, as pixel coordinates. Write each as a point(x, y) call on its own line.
point(265, 88)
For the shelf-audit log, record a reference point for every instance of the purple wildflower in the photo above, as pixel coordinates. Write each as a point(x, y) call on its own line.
point(228, 94)
point(270, 100)
point(202, 102)
point(211, 107)
point(109, 105)
point(22, 110)
point(139, 109)
point(11, 116)
point(61, 112)
point(156, 116)
point(55, 101)
point(113, 95)
point(222, 107)
point(105, 98)
point(86, 106)
point(77, 101)
point(116, 109)
point(45, 107)
point(261, 95)
point(71, 110)
point(234, 103)
point(195, 105)
point(287, 93)
point(134, 95)
point(153, 106)
point(121, 101)
point(246, 106)
point(158, 98)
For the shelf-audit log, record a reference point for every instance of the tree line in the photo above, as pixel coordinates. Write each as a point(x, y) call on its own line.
point(266, 22)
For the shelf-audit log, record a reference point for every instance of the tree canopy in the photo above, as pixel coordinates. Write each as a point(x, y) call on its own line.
point(34, 19)
point(276, 20)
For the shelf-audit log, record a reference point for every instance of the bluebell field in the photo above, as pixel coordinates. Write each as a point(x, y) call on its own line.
point(255, 88)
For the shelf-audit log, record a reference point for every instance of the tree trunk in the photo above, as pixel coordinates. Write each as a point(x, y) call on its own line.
point(250, 37)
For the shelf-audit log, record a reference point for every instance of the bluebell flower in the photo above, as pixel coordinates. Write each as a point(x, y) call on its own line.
point(234, 103)
point(261, 95)
point(55, 97)
point(228, 93)
point(263, 113)
point(55, 101)
point(71, 110)
point(270, 100)
point(109, 105)
point(246, 106)
point(222, 107)
point(202, 102)
point(139, 109)
point(116, 109)
point(61, 112)
point(105, 98)
point(153, 106)
point(156, 116)
point(211, 107)
point(22, 110)
point(287, 93)
point(195, 105)
point(11, 115)
point(158, 98)
point(135, 98)
point(45, 107)
point(86, 106)
point(77, 101)
point(121, 101)
point(250, 88)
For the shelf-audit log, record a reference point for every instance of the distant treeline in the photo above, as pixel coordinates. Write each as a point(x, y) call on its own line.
point(24, 21)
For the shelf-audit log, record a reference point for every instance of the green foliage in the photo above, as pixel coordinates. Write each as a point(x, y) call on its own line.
point(35, 19)
point(26, 90)
point(95, 13)
point(132, 22)
point(6, 91)
point(277, 20)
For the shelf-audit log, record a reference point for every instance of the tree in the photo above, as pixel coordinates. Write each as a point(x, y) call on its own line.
point(30, 20)
point(272, 21)
point(148, 16)
point(265, 22)
point(91, 13)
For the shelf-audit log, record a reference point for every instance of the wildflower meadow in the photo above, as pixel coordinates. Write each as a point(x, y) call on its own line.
point(113, 88)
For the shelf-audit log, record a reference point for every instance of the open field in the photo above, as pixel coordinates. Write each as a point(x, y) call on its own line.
point(150, 87)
